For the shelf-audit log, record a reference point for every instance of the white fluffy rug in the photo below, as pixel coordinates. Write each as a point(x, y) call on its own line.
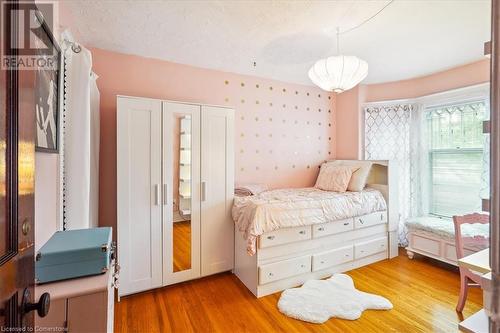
point(318, 300)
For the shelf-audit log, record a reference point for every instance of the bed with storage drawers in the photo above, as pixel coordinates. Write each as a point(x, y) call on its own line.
point(331, 233)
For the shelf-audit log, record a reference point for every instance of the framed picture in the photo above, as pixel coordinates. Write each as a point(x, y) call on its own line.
point(47, 96)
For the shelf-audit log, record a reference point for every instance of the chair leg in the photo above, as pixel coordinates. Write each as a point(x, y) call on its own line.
point(464, 288)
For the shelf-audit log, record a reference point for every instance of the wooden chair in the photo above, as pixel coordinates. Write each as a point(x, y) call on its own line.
point(465, 273)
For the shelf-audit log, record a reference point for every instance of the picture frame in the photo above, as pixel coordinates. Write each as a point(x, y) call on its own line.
point(47, 96)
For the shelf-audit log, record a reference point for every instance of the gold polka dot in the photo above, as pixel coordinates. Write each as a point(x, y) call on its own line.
point(242, 101)
point(257, 86)
point(242, 84)
point(226, 82)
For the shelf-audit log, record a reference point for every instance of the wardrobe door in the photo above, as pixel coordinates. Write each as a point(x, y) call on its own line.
point(139, 194)
point(217, 189)
point(181, 183)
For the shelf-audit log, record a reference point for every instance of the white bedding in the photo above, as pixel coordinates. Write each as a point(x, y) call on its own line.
point(285, 208)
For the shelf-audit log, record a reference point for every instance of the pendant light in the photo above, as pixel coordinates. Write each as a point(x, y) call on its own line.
point(338, 73)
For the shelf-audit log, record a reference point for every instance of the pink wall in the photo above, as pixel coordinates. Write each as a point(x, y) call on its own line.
point(283, 131)
point(349, 104)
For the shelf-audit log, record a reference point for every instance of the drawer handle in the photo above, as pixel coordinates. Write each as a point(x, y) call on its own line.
point(302, 232)
point(321, 229)
point(346, 223)
point(270, 237)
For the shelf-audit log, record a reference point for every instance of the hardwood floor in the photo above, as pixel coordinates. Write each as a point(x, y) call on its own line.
point(182, 245)
point(423, 292)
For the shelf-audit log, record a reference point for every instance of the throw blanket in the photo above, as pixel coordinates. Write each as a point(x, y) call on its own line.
point(287, 208)
point(249, 189)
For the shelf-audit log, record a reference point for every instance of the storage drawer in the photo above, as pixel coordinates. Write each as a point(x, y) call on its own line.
point(283, 269)
point(370, 247)
point(332, 258)
point(330, 228)
point(370, 219)
point(284, 236)
point(426, 245)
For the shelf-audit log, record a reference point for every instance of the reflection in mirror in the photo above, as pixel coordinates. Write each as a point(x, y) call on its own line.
point(182, 192)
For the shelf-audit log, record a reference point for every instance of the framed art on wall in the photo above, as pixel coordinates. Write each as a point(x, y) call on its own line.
point(47, 94)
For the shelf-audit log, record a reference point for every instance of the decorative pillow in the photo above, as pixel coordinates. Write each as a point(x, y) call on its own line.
point(359, 177)
point(334, 178)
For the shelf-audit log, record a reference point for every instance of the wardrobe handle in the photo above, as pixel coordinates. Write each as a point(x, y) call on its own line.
point(157, 194)
point(203, 191)
point(164, 194)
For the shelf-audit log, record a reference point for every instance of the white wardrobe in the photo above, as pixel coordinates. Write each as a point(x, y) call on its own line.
point(160, 164)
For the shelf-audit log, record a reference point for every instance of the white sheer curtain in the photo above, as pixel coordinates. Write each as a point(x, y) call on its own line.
point(81, 139)
point(392, 132)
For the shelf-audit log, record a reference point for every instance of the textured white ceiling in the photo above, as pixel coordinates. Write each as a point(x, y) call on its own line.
point(409, 38)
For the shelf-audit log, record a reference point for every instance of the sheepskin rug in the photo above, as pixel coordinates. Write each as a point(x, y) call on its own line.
point(318, 300)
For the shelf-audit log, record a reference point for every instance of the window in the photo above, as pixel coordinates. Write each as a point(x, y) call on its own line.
point(456, 142)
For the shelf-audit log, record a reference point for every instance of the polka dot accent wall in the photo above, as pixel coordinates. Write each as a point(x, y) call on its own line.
point(283, 132)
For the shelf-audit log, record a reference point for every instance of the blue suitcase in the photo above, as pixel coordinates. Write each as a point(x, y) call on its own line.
point(74, 253)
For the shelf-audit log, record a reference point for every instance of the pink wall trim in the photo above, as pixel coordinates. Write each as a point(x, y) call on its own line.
point(283, 131)
point(458, 77)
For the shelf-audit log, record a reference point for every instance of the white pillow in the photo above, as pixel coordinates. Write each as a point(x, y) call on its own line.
point(334, 178)
point(359, 177)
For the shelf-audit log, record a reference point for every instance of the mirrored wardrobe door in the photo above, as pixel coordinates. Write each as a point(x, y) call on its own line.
point(181, 183)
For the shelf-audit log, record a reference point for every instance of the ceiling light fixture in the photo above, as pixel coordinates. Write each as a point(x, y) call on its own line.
point(341, 72)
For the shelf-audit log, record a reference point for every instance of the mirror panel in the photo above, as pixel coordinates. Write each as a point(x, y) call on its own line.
point(182, 189)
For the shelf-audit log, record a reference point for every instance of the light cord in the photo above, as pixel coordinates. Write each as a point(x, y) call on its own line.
point(365, 21)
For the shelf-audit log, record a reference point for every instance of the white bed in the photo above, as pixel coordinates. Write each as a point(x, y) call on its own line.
point(285, 237)
point(434, 237)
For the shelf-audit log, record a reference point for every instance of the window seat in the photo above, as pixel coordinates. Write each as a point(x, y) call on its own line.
point(435, 237)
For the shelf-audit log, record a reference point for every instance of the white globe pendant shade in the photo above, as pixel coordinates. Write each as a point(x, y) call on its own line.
point(338, 73)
